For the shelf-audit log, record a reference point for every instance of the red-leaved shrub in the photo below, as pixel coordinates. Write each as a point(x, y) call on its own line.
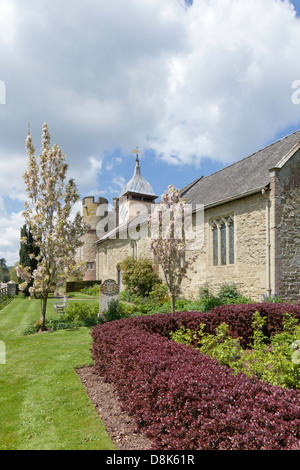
point(184, 400)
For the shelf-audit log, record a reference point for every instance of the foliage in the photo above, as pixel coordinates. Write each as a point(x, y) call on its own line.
point(138, 276)
point(4, 271)
point(28, 254)
point(78, 314)
point(76, 286)
point(91, 290)
point(168, 241)
point(159, 294)
point(48, 214)
point(115, 311)
point(13, 275)
point(269, 359)
point(272, 298)
point(240, 318)
point(158, 300)
point(126, 296)
point(82, 314)
point(185, 400)
point(227, 294)
point(208, 301)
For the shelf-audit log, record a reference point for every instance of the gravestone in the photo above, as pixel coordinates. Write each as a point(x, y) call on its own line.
point(109, 290)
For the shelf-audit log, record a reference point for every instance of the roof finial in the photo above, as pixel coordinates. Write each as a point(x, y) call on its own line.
point(137, 154)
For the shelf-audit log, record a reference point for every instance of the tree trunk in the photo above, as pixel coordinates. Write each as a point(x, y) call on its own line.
point(172, 302)
point(43, 313)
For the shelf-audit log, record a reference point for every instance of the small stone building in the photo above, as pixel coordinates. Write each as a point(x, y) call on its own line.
point(251, 225)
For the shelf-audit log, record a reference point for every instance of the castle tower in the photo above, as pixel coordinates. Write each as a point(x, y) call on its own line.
point(91, 216)
point(136, 195)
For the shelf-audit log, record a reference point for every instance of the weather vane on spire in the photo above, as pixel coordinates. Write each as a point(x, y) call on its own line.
point(137, 153)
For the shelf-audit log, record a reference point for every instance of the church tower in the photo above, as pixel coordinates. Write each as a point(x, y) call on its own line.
point(91, 216)
point(136, 195)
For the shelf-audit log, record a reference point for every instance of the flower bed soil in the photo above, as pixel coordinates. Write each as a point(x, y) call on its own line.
point(119, 425)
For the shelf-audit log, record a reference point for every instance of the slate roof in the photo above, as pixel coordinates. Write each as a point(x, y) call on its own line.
point(244, 177)
point(241, 178)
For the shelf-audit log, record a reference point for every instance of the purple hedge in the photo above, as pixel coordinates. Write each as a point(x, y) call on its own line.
point(184, 400)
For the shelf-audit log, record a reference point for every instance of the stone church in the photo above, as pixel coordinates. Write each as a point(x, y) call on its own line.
point(251, 225)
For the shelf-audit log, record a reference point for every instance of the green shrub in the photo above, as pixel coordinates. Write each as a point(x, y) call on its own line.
point(82, 314)
point(269, 359)
point(159, 294)
point(227, 294)
point(78, 314)
point(138, 276)
point(276, 299)
point(207, 299)
point(76, 286)
point(115, 311)
point(91, 290)
point(126, 296)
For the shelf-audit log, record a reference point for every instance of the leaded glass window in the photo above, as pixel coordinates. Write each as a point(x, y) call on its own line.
point(215, 246)
point(231, 242)
point(223, 243)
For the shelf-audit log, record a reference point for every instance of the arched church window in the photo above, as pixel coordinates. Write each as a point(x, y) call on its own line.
point(223, 241)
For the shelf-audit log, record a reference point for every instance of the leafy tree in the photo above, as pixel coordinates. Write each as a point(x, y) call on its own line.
point(4, 271)
point(48, 215)
point(168, 244)
point(13, 275)
point(138, 276)
point(28, 254)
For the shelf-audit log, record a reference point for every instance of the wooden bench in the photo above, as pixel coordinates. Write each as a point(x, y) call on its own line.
point(61, 307)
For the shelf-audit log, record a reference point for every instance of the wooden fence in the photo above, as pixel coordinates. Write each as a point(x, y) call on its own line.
point(3, 294)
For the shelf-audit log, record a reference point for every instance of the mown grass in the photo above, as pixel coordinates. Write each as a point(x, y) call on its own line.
point(43, 404)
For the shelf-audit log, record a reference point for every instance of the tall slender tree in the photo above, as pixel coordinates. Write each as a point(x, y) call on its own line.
point(4, 271)
point(168, 241)
point(48, 214)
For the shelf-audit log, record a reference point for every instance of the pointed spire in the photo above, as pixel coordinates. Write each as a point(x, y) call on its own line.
point(138, 184)
point(137, 169)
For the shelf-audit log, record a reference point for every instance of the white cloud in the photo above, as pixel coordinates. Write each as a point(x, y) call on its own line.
point(119, 181)
point(188, 82)
point(10, 234)
point(87, 176)
point(213, 80)
point(232, 90)
point(7, 21)
point(12, 167)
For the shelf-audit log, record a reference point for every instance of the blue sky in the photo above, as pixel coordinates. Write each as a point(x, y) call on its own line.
point(194, 92)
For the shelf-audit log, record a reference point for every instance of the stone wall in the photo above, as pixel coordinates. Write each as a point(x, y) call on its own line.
point(111, 253)
point(285, 183)
point(92, 218)
point(248, 271)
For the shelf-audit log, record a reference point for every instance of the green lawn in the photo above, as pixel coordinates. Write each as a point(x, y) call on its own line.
point(43, 404)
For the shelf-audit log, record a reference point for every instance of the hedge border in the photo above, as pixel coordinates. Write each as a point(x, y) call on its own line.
point(183, 400)
point(76, 286)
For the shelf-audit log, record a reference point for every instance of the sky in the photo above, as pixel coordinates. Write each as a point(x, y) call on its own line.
point(195, 85)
